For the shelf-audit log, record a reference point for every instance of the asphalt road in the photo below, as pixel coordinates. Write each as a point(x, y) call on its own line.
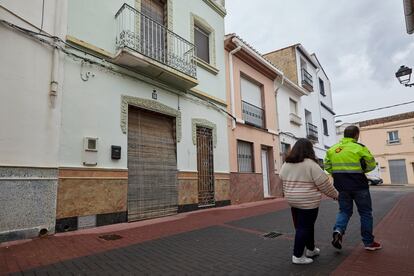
point(234, 248)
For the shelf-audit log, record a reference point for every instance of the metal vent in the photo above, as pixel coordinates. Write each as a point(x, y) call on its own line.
point(110, 237)
point(272, 235)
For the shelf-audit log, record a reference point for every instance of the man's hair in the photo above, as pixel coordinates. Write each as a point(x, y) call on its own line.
point(351, 131)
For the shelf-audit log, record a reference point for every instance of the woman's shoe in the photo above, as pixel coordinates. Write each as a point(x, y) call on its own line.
point(301, 260)
point(313, 253)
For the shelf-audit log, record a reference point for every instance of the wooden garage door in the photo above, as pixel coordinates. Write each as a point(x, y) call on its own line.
point(152, 165)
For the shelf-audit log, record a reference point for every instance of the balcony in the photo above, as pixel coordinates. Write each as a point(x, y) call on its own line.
point(295, 119)
point(149, 48)
point(312, 132)
point(307, 81)
point(253, 115)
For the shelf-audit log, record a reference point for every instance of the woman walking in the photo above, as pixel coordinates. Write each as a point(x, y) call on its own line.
point(304, 182)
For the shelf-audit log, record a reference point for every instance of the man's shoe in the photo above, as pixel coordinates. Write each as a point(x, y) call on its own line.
point(312, 253)
point(337, 240)
point(302, 260)
point(373, 246)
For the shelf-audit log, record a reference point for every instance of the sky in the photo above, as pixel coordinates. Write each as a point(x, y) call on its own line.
point(360, 44)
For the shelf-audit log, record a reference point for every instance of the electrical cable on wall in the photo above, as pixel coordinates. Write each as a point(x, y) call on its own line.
point(55, 44)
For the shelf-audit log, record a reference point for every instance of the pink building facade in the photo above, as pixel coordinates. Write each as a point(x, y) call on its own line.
point(253, 140)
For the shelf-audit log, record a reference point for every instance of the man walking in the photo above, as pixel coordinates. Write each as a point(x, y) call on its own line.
point(348, 161)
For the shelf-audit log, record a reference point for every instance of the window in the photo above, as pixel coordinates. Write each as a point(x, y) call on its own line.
point(251, 94)
point(322, 87)
point(393, 137)
point(293, 106)
point(245, 156)
point(285, 151)
point(202, 43)
point(325, 127)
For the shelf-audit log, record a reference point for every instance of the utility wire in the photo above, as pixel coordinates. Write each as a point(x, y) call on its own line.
point(375, 109)
point(58, 39)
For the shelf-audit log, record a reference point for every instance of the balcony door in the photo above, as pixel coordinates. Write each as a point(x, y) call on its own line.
point(153, 32)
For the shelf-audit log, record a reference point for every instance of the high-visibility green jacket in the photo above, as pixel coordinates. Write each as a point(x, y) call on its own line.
point(348, 161)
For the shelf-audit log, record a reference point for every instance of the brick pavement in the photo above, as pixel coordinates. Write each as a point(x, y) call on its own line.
point(395, 232)
point(225, 241)
point(52, 249)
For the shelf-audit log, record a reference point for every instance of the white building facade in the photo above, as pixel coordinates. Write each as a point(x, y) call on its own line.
point(140, 129)
point(307, 112)
point(31, 80)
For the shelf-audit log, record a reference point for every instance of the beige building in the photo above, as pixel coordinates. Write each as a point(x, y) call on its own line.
point(391, 141)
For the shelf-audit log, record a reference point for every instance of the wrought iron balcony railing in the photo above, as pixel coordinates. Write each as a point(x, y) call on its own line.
point(252, 114)
point(142, 34)
point(312, 132)
point(307, 80)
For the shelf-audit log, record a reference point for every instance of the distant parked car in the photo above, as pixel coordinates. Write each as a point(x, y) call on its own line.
point(374, 180)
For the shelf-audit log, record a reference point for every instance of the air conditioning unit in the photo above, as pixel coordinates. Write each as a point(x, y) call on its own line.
point(90, 151)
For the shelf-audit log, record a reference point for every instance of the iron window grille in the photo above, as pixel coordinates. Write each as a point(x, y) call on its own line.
point(245, 156)
point(307, 78)
point(252, 114)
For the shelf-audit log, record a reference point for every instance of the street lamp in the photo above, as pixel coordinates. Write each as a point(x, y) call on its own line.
point(404, 75)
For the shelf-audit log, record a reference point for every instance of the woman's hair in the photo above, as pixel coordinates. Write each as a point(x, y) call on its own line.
point(302, 149)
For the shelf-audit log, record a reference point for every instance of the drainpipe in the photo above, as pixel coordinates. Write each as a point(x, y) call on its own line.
point(54, 83)
point(320, 110)
point(277, 87)
point(231, 75)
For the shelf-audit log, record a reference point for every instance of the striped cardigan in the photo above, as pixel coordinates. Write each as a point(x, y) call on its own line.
point(304, 183)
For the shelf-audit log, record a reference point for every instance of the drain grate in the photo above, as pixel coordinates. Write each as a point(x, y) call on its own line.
point(110, 237)
point(272, 235)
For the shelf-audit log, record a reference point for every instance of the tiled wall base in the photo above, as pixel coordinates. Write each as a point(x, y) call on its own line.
point(27, 202)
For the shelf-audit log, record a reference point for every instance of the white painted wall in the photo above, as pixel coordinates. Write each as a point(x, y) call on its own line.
point(94, 21)
point(312, 103)
point(209, 83)
point(283, 106)
point(29, 124)
point(92, 108)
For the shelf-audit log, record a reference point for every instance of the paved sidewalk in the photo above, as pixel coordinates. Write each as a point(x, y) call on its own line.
point(24, 255)
point(223, 241)
point(396, 233)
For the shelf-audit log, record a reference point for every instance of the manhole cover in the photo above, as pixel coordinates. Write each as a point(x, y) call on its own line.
point(110, 237)
point(272, 235)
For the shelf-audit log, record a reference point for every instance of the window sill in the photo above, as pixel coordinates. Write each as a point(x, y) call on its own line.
point(393, 144)
point(207, 66)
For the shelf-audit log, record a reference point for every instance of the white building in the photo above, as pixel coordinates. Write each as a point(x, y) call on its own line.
point(138, 127)
point(307, 112)
point(30, 114)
